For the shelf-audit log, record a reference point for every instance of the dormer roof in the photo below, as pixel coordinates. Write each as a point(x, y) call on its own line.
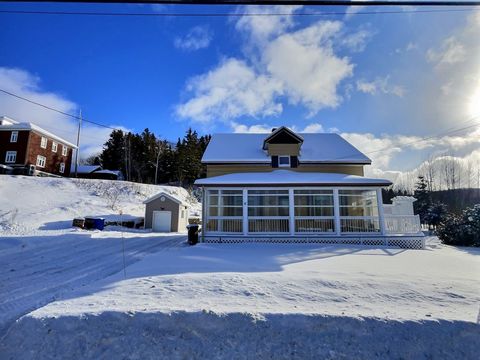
point(282, 135)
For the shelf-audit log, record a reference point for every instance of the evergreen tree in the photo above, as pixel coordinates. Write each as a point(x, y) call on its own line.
point(422, 195)
point(112, 156)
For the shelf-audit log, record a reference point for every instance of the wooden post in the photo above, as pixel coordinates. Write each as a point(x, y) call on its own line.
point(336, 212)
point(291, 211)
point(245, 212)
point(381, 215)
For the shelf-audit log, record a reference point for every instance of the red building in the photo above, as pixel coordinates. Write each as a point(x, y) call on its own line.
point(28, 146)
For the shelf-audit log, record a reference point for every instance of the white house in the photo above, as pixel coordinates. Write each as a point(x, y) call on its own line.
point(288, 187)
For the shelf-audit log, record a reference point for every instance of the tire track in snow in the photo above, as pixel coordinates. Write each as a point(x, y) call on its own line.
point(83, 273)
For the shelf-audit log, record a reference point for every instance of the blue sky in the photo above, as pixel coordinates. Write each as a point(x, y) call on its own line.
point(380, 80)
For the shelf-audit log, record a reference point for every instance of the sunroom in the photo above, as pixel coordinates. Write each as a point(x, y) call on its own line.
point(287, 206)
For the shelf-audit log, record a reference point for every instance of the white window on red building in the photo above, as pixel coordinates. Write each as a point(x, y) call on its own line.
point(64, 150)
point(43, 143)
point(62, 168)
point(54, 146)
point(14, 136)
point(11, 157)
point(41, 161)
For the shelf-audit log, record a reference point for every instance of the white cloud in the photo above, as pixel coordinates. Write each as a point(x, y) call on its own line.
point(451, 51)
point(199, 37)
point(301, 67)
point(262, 28)
point(306, 65)
point(231, 90)
point(265, 128)
point(380, 85)
point(27, 85)
point(352, 10)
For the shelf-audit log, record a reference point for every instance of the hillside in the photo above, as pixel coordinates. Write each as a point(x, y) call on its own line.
point(30, 205)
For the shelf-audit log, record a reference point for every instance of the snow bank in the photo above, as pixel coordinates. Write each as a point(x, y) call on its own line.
point(203, 335)
point(33, 205)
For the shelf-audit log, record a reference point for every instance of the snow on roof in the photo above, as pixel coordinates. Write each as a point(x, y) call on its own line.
point(29, 126)
point(288, 177)
point(170, 196)
point(317, 147)
point(86, 169)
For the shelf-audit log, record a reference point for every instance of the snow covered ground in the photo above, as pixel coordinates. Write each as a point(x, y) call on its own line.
point(42, 256)
point(218, 300)
point(35, 205)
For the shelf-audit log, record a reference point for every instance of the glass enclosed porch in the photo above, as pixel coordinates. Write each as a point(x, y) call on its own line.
point(299, 211)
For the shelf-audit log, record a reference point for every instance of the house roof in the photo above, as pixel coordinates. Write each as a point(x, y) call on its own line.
point(248, 148)
point(86, 169)
point(29, 127)
point(291, 178)
point(169, 196)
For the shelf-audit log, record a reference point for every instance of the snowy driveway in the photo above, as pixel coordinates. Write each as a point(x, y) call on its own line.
point(36, 270)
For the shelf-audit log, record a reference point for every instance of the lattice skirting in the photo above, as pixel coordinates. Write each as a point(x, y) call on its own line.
point(405, 242)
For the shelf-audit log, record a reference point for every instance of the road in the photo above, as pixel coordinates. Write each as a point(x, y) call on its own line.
point(32, 276)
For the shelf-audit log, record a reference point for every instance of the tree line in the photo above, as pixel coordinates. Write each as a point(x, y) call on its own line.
point(146, 158)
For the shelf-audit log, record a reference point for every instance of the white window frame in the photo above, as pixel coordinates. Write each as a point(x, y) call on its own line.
point(41, 159)
point(62, 168)
point(64, 150)
point(43, 142)
point(11, 157)
point(54, 146)
point(14, 137)
point(337, 218)
point(284, 165)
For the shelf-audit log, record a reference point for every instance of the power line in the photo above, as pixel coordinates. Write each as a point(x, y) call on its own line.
point(280, 2)
point(56, 110)
point(314, 14)
point(446, 132)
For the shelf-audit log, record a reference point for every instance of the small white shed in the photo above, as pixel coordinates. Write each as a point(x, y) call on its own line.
point(165, 213)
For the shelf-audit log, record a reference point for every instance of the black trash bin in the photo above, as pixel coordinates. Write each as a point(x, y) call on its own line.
point(193, 233)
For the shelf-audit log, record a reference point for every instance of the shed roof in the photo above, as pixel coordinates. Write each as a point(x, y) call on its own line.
point(169, 196)
point(291, 178)
point(248, 148)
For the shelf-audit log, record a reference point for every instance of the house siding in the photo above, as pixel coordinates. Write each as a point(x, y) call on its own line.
point(284, 149)
point(28, 147)
point(223, 169)
point(53, 159)
point(20, 146)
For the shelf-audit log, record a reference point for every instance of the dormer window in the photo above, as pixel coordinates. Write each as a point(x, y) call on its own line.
point(284, 161)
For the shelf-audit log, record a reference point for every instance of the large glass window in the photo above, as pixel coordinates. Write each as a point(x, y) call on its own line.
point(224, 210)
point(359, 211)
point(314, 211)
point(268, 211)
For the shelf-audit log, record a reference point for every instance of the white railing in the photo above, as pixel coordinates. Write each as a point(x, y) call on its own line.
point(268, 225)
point(402, 224)
point(314, 225)
point(360, 224)
point(225, 225)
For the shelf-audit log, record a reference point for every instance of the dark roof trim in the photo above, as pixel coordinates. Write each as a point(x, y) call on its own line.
point(267, 162)
point(279, 131)
point(298, 185)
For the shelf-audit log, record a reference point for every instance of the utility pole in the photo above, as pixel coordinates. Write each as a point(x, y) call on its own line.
point(78, 143)
point(159, 147)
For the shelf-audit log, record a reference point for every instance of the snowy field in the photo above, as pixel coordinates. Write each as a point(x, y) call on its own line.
point(275, 301)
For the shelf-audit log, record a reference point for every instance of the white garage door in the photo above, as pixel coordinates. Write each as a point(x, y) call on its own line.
point(162, 221)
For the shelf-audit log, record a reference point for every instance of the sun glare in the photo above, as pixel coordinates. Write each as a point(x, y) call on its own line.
point(474, 103)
